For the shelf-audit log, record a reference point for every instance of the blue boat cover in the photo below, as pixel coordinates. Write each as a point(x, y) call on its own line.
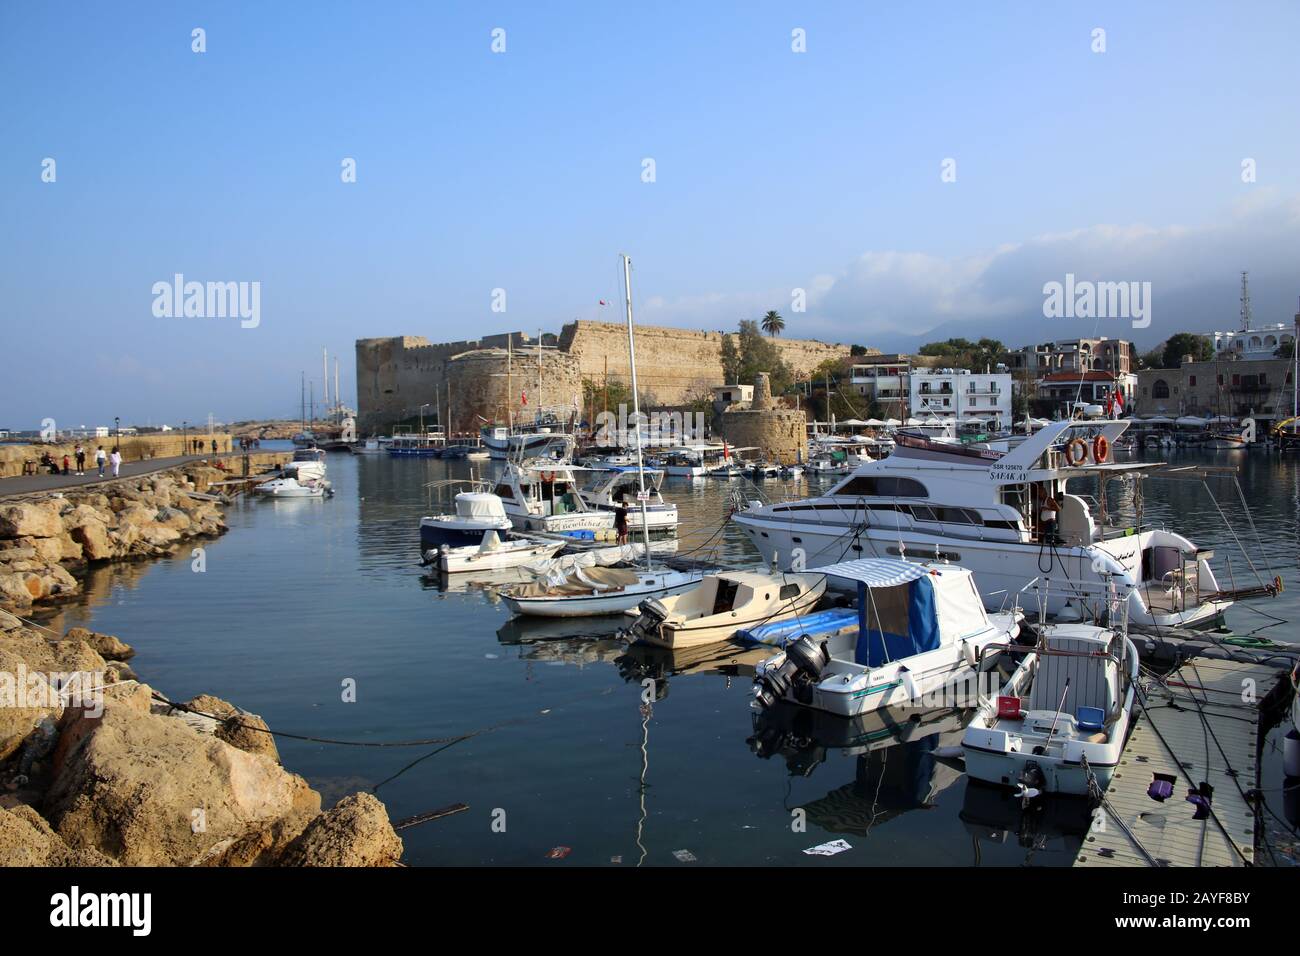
point(779, 633)
point(879, 647)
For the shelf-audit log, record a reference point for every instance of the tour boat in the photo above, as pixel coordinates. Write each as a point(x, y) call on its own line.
point(428, 445)
point(588, 591)
point(477, 513)
point(542, 495)
point(493, 554)
point(1059, 722)
point(982, 508)
point(917, 631)
point(721, 604)
point(610, 487)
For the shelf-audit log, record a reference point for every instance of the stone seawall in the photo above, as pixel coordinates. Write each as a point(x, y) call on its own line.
point(134, 448)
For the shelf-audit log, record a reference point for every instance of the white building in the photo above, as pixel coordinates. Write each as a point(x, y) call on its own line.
point(961, 393)
point(1252, 344)
point(883, 379)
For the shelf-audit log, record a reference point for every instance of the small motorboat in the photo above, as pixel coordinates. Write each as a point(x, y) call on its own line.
point(294, 488)
point(1058, 724)
point(307, 463)
point(612, 487)
point(477, 513)
point(917, 632)
point(493, 554)
point(587, 591)
point(764, 469)
point(791, 471)
point(721, 604)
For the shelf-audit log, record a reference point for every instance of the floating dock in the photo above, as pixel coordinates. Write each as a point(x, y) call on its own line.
point(1200, 727)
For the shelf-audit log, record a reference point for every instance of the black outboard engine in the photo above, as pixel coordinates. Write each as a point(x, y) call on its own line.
point(794, 672)
point(653, 613)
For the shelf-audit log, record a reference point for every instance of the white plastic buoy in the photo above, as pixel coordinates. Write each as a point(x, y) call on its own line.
point(1291, 753)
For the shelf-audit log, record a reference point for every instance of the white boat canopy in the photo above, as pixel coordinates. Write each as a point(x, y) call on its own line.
point(1191, 420)
point(935, 605)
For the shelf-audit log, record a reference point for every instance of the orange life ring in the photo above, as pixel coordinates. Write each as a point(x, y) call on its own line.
point(548, 477)
point(1077, 451)
point(1100, 449)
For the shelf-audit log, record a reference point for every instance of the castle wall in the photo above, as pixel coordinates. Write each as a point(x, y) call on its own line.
point(396, 375)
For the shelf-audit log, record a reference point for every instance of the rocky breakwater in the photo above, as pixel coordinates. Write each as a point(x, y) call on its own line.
point(98, 769)
point(43, 539)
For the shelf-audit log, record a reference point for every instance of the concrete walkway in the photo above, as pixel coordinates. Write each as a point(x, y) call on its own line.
point(36, 484)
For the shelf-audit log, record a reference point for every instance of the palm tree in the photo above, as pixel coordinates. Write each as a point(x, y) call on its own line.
point(773, 324)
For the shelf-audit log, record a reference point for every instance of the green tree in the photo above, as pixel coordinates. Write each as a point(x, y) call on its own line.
point(773, 324)
point(1286, 350)
point(730, 361)
point(758, 354)
point(1153, 359)
point(963, 353)
point(1186, 343)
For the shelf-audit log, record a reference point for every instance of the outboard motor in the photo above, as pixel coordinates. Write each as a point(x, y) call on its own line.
point(794, 671)
point(1031, 784)
point(653, 613)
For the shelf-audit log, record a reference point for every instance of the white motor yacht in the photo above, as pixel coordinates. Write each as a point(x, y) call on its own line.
point(983, 509)
point(610, 488)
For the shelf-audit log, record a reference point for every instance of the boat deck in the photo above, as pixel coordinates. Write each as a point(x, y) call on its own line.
point(1197, 730)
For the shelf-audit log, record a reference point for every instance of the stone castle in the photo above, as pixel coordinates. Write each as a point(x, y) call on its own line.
point(466, 383)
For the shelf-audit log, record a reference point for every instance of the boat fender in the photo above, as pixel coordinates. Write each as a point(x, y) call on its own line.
point(968, 651)
point(1077, 451)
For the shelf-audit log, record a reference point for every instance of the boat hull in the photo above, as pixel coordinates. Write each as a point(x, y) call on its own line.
point(1003, 568)
point(691, 634)
point(460, 560)
point(436, 534)
point(596, 604)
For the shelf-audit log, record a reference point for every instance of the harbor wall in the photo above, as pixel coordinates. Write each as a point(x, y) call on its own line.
point(134, 448)
point(397, 375)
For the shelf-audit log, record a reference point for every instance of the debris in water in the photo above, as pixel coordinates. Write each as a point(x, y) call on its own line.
point(829, 849)
point(558, 852)
point(684, 856)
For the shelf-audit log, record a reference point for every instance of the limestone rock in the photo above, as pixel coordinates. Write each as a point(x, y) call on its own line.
point(26, 699)
point(26, 839)
point(248, 732)
point(36, 519)
point(150, 790)
point(356, 832)
point(105, 645)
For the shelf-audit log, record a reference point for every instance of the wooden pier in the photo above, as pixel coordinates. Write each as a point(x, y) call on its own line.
point(1201, 727)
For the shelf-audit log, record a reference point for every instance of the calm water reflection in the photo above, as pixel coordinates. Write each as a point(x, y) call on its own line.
point(302, 595)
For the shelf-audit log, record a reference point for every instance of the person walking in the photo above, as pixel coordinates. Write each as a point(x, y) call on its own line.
point(67, 462)
point(81, 459)
point(116, 460)
point(214, 446)
point(100, 458)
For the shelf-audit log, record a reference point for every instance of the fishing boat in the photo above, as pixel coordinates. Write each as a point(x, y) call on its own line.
point(764, 469)
point(692, 461)
point(476, 514)
point(588, 591)
point(541, 494)
point(982, 508)
point(791, 471)
point(1221, 437)
point(917, 631)
point(611, 488)
point(543, 438)
point(585, 591)
point(721, 604)
point(493, 554)
point(1059, 723)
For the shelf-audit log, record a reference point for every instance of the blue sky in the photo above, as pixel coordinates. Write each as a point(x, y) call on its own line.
point(775, 170)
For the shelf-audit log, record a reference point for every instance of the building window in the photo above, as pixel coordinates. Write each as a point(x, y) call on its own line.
point(1160, 389)
point(1191, 380)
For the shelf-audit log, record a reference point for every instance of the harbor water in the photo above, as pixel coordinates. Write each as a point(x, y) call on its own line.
point(304, 600)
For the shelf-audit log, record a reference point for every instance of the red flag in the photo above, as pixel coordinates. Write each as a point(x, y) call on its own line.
point(523, 398)
point(603, 302)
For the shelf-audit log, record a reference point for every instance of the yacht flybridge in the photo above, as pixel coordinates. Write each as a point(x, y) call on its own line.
point(1007, 516)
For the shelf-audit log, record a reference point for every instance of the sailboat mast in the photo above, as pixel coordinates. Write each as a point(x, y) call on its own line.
point(636, 411)
point(302, 401)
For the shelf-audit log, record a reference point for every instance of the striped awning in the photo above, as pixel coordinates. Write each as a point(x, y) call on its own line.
point(875, 572)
